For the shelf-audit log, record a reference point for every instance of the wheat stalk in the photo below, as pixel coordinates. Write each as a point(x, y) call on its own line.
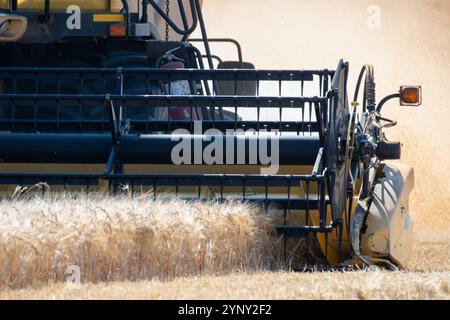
point(128, 238)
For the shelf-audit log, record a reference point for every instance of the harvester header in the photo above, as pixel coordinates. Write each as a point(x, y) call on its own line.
point(116, 96)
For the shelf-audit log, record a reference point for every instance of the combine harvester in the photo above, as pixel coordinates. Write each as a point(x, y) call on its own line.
point(114, 94)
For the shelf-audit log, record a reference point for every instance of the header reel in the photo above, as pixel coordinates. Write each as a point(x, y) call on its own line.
point(338, 143)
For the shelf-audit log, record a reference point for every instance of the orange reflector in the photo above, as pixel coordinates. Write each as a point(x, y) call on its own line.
point(118, 30)
point(411, 96)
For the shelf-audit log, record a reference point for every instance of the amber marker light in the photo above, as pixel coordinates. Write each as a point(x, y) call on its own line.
point(410, 95)
point(118, 30)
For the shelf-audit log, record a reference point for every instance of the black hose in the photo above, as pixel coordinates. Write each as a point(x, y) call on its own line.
point(369, 103)
point(127, 12)
point(369, 99)
point(386, 99)
point(358, 83)
point(369, 90)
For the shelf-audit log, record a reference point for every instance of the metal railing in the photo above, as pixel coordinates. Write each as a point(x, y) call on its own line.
point(37, 99)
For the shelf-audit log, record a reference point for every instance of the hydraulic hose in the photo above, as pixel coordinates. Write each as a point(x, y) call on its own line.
point(369, 99)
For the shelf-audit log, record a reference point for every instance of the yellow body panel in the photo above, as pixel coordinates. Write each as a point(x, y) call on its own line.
point(61, 5)
point(111, 17)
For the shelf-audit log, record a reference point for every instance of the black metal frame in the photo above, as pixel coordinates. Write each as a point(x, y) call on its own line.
point(119, 128)
point(116, 78)
point(224, 40)
point(195, 11)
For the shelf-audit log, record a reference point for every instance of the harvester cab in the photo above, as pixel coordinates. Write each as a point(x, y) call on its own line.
point(115, 94)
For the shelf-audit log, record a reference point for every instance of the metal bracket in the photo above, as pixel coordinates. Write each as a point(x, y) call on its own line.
point(118, 128)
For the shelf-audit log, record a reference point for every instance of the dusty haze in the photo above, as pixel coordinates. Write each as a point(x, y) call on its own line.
point(411, 47)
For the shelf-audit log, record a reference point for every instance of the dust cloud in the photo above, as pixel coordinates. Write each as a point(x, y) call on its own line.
point(409, 44)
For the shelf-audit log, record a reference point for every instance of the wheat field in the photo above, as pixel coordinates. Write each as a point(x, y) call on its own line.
point(259, 285)
point(137, 249)
point(123, 238)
